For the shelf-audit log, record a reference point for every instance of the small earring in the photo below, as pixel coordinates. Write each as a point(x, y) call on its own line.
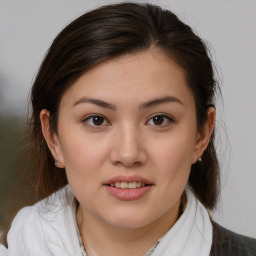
point(57, 164)
point(200, 159)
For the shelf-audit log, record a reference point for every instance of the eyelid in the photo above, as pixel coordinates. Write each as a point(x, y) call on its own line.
point(168, 117)
point(88, 117)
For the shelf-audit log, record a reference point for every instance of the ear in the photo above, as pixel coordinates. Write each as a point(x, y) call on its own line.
point(204, 135)
point(51, 137)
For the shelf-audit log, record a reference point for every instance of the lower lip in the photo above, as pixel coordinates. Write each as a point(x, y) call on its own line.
point(128, 193)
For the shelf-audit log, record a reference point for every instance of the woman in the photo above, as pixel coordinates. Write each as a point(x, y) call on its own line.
point(122, 132)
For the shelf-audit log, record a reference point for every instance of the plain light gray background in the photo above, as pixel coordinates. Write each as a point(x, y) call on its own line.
point(28, 27)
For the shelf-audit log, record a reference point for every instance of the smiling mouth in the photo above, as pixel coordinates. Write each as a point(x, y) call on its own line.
point(128, 191)
point(130, 185)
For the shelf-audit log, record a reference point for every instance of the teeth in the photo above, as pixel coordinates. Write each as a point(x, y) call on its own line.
point(138, 184)
point(132, 185)
point(124, 185)
point(118, 184)
point(127, 184)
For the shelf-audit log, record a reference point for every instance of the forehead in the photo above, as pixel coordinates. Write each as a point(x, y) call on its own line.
point(135, 77)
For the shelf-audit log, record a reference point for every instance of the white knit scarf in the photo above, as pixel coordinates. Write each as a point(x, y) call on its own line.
point(191, 235)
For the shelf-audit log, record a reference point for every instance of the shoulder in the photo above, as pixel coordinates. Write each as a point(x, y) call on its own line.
point(228, 243)
point(27, 233)
point(48, 211)
point(44, 228)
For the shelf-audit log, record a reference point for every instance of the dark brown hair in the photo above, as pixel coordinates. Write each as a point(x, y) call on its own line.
point(105, 33)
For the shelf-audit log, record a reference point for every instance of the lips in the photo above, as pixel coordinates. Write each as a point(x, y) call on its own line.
point(128, 187)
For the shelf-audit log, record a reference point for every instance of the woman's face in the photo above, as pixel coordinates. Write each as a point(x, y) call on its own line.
point(127, 136)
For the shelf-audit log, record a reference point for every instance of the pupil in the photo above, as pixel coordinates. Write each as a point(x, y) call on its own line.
point(158, 120)
point(98, 120)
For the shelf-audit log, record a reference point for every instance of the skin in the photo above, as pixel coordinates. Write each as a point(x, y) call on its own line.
point(128, 142)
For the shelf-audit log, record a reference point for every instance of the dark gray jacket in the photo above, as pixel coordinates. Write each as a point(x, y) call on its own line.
point(228, 243)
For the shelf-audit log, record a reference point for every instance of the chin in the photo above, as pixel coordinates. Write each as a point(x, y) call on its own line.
point(128, 223)
point(128, 220)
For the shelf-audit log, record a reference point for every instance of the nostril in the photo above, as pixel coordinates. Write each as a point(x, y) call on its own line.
point(128, 164)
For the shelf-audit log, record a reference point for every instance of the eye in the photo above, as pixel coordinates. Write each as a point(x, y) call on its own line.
point(160, 120)
point(96, 120)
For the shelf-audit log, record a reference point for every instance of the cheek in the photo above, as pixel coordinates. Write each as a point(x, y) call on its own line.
point(83, 157)
point(174, 149)
point(173, 157)
point(173, 169)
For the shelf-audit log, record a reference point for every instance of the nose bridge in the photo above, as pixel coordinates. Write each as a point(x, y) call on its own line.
point(128, 147)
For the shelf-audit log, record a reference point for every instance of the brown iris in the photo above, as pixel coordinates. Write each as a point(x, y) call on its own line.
point(158, 120)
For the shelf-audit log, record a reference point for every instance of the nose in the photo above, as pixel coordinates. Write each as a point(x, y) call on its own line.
point(128, 147)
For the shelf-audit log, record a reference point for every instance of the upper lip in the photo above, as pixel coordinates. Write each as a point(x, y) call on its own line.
point(128, 179)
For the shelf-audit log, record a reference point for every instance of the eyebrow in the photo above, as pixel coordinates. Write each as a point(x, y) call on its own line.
point(168, 99)
point(154, 102)
point(97, 102)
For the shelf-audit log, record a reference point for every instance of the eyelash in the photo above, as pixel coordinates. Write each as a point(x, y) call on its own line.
point(86, 120)
point(165, 118)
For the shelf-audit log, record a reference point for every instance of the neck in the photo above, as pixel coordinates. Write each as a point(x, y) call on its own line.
point(100, 238)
